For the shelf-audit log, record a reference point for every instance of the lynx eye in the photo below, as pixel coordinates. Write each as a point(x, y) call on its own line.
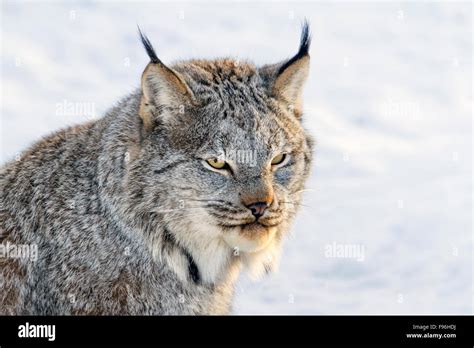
point(217, 163)
point(278, 159)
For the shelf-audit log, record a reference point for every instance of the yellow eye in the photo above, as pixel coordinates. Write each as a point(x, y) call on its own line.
point(278, 159)
point(216, 163)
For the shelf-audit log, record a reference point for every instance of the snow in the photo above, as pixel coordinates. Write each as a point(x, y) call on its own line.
point(389, 101)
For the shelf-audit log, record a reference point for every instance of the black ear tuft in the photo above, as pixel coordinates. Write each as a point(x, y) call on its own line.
point(305, 43)
point(305, 40)
point(148, 47)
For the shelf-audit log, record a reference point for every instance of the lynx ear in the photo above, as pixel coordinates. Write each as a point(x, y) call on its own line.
point(162, 87)
point(286, 79)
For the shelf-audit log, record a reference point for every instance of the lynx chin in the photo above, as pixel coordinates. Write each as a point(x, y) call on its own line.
point(143, 211)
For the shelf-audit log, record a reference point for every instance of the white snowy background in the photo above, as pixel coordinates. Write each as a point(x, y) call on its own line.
point(389, 101)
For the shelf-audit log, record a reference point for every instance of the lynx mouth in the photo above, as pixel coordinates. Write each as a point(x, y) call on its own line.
point(250, 236)
point(250, 224)
point(254, 230)
point(257, 224)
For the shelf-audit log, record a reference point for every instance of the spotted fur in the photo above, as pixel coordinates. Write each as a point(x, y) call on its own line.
point(126, 216)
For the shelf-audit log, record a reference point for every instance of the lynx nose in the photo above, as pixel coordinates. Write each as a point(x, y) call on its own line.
point(258, 208)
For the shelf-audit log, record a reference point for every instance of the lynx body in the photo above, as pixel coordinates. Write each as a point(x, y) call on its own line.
point(156, 207)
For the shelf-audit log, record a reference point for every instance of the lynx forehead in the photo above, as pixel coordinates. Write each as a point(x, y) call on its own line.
point(187, 180)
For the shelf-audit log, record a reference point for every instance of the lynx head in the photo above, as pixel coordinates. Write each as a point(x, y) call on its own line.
point(223, 156)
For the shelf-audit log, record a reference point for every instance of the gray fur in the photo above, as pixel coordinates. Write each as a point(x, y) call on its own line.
point(127, 218)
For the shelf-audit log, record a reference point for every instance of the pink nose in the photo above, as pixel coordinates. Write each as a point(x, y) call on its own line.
point(258, 208)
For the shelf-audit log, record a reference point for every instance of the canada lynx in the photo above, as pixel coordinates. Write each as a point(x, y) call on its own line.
point(157, 206)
